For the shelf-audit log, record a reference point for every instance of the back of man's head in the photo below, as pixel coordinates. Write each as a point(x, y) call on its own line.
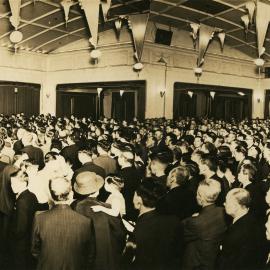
point(181, 175)
point(208, 192)
point(60, 189)
point(150, 192)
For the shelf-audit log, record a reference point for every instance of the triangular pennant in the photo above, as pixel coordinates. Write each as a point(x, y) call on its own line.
point(206, 34)
point(106, 5)
point(138, 24)
point(118, 26)
point(15, 7)
point(91, 10)
point(245, 20)
point(250, 6)
point(221, 36)
point(262, 22)
point(66, 4)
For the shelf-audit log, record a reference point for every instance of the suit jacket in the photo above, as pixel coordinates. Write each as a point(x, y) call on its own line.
point(203, 235)
point(63, 239)
point(109, 234)
point(158, 241)
point(21, 229)
point(179, 201)
point(132, 180)
point(244, 245)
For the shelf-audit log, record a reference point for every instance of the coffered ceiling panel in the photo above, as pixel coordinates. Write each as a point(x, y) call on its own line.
point(45, 30)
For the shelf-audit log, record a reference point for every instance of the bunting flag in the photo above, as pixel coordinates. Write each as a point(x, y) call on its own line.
point(262, 22)
point(250, 6)
point(206, 34)
point(106, 5)
point(66, 4)
point(221, 36)
point(91, 10)
point(245, 20)
point(118, 26)
point(138, 24)
point(15, 6)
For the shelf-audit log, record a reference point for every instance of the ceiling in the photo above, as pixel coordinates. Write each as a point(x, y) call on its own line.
point(44, 28)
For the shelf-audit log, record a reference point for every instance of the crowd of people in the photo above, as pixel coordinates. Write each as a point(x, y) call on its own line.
point(155, 194)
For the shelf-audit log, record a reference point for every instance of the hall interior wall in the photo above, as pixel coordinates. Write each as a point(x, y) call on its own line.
point(72, 64)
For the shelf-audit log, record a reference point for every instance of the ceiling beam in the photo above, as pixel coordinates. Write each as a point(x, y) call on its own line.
point(55, 39)
point(49, 29)
point(187, 21)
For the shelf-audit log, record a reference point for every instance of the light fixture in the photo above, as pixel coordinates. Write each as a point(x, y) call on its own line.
point(15, 90)
point(198, 71)
point(212, 94)
point(16, 36)
point(121, 92)
point(162, 60)
point(162, 93)
point(190, 93)
point(95, 54)
point(99, 90)
point(259, 62)
point(138, 66)
point(241, 93)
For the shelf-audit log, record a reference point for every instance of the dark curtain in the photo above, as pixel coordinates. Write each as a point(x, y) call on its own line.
point(78, 104)
point(24, 100)
point(184, 105)
point(123, 108)
point(266, 105)
point(224, 107)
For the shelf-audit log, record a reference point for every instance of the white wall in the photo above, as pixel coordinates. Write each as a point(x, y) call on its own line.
point(72, 64)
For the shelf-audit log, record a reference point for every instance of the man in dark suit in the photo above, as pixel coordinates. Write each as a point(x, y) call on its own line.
point(109, 231)
point(244, 244)
point(20, 228)
point(203, 233)
point(34, 153)
point(85, 157)
point(179, 200)
point(132, 179)
point(157, 237)
point(70, 152)
point(62, 239)
point(208, 168)
point(104, 160)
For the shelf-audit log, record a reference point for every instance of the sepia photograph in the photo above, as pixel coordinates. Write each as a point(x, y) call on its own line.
point(134, 135)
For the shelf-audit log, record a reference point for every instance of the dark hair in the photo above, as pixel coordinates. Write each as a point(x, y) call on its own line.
point(116, 180)
point(50, 156)
point(57, 144)
point(181, 174)
point(209, 162)
point(241, 149)
point(250, 170)
point(104, 145)
point(211, 149)
point(150, 191)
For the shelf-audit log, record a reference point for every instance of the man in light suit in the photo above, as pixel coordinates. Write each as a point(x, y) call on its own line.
point(62, 238)
point(203, 233)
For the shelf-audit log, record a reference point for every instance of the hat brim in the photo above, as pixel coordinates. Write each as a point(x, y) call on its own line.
point(91, 187)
